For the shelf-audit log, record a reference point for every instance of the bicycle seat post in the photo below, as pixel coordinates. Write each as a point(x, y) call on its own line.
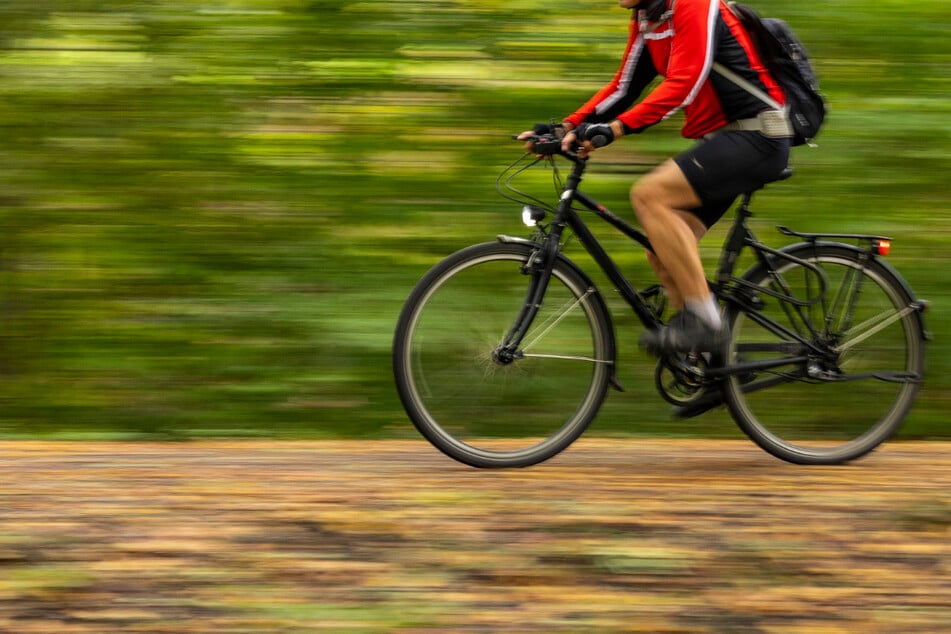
point(735, 240)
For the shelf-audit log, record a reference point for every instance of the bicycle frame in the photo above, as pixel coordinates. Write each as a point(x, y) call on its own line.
point(726, 286)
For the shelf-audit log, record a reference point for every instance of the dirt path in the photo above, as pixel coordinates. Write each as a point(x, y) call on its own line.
point(632, 535)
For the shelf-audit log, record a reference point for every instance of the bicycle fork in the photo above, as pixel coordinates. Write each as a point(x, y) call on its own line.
point(538, 267)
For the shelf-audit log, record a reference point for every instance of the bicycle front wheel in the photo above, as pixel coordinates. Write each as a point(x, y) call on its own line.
point(484, 411)
point(855, 356)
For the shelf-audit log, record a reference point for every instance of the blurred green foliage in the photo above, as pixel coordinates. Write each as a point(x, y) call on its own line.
point(211, 212)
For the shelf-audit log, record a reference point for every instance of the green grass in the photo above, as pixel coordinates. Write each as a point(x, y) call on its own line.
point(210, 219)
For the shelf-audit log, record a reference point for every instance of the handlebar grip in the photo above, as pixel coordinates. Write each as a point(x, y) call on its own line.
point(599, 140)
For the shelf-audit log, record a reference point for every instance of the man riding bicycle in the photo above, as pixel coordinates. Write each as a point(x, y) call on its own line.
point(742, 144)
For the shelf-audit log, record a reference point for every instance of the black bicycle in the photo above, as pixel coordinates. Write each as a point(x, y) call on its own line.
point(504, 351)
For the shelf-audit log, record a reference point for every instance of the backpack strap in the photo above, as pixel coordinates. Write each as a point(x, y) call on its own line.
point(647, 27)
point(669, 13)
point(772, 123)
point(747, 86)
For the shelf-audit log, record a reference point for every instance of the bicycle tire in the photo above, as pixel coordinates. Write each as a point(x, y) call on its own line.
point(484, 413)
point(813, 412)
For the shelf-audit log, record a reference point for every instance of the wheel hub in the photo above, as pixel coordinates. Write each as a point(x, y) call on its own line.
point(504, 356)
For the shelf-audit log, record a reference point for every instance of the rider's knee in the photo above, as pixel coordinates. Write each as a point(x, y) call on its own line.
point(644, 195)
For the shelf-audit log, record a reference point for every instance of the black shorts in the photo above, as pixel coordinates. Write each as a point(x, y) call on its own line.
point(728, 164)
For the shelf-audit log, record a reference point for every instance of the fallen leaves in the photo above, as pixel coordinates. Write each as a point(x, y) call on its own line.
point(613, 535)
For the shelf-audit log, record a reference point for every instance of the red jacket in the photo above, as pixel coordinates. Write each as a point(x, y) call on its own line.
point(682, 50)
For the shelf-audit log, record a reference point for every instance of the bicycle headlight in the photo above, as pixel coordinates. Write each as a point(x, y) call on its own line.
point(532, 215)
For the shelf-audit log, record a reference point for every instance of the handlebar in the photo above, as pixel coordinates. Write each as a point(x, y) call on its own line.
point(549, 145)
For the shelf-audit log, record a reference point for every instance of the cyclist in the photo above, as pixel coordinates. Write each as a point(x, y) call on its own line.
point(738, 145)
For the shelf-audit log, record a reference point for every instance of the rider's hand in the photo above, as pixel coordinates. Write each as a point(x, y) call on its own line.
point(592, 136)
point(556, 130)
point(568, 143)
point(595, 135)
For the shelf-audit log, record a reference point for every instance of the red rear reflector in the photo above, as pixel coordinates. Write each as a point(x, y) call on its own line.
point(882, 247)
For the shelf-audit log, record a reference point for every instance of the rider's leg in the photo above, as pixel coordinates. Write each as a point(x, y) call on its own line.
point(682, 197)
point(661, 200)
point(674, 297)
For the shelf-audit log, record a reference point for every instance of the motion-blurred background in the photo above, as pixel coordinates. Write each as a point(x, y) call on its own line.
point(212, 211)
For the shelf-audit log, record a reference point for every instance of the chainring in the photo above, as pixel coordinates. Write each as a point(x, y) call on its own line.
point(681, 379)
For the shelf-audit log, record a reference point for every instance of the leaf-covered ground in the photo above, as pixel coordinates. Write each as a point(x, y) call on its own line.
point(613, 535)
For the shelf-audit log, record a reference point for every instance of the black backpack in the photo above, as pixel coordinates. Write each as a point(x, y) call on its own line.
point(787, 61)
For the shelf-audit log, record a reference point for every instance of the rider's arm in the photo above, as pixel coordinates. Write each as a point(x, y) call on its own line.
point(635, 73)
point(688, 65)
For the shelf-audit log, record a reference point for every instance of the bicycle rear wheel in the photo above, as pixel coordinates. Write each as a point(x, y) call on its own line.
point(476, 408)
point(840, 402)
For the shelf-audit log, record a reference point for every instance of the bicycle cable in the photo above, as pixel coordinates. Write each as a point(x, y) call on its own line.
point(503, 184)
